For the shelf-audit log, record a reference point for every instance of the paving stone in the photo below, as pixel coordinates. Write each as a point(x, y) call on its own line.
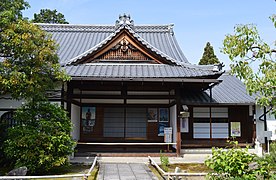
point(125, 171)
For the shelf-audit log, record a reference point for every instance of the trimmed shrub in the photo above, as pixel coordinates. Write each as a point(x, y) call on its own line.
point(236, 163)
point(41, 138)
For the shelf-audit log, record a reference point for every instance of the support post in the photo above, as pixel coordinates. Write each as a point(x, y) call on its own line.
point(265, 128)
point(62, 95)
point(69, 98)
point(178, 140)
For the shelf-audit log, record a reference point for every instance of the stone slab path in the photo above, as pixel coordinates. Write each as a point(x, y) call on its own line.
point(125, 171)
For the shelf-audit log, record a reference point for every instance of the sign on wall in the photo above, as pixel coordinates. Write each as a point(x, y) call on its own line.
point(88, 119)
point(271, 125)
point(184, 124)
point(168, 134)
point(163, 120)
point(235, 129)
point(163, 115)
point(152, 114)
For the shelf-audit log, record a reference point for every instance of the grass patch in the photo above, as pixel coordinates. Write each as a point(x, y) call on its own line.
point(190, 167)
point(187, 167)
point(66, 170)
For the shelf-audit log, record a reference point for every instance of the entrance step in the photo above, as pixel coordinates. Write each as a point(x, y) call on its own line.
point(206, 151)
point(196, 151)
point(122, 154)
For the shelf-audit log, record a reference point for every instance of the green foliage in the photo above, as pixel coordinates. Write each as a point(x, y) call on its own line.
point(246, 48)
point(28, 68)
point(164, 161)
point(209, 56)
point(236, 163)
point(271, 157)
point(30, 65)
point(11, 10)
point(41, 139)
point(49, 16)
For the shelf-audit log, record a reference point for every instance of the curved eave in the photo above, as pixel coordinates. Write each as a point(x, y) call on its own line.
point(178, 80)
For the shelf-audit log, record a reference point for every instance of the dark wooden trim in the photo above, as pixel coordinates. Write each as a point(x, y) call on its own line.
point(8, 109)
point(62, 95)
point(69, 99)
point(124, 95)
point(91, 96)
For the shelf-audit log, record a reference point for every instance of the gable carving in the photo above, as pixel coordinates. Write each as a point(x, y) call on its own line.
point(123, 50)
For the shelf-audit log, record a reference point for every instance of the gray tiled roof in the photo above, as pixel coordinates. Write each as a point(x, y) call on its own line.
point(117, 70)
point(76, 41)
point(230, 91)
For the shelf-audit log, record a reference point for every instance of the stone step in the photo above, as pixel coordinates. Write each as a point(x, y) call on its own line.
point(121, 154)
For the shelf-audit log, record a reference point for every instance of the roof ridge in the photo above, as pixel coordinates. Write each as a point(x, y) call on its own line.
point(110, 28)
point(110, 25)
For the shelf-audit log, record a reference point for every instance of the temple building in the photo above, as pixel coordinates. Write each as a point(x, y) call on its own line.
point(132, 87)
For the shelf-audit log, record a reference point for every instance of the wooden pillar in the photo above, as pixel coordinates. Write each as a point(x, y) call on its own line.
point(124, 94)
point(69, 98)
point(62, 96)
point(178, 109)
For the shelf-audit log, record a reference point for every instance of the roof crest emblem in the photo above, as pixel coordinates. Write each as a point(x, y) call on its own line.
point(124, 20)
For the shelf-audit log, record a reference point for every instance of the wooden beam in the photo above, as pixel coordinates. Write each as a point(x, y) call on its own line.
point(91, 96)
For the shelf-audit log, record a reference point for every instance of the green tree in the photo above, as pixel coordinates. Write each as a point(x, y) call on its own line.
point(41, 139)
point(246, 49)
point(29, 65)
point(208, 56)
point(49, 16)
point(28, 68)
point(10, 10)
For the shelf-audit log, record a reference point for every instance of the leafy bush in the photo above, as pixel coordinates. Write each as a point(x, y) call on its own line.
point(164, 161)
point(236, 163)
point(272, 154)
point(41, 139)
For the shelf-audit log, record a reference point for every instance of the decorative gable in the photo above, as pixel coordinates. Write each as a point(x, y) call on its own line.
point(124, 50)
point(124, 45)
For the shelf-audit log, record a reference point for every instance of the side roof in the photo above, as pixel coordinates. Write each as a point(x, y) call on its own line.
point(75, 40)
point(231, 90)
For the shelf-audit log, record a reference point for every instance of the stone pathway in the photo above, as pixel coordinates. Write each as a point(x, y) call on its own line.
point(125, 171)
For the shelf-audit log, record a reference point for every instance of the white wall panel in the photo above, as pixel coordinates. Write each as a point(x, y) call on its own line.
point(201, 130)
point(173, 118)
point(75, 119)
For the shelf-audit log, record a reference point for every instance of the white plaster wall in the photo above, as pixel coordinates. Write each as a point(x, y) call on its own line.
point(173, 118)
point(271, 124)
point(75, 119)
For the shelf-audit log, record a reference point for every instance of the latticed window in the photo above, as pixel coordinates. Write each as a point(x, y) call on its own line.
point(7, 119)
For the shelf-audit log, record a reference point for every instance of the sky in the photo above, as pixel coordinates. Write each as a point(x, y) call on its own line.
point(196, 22)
